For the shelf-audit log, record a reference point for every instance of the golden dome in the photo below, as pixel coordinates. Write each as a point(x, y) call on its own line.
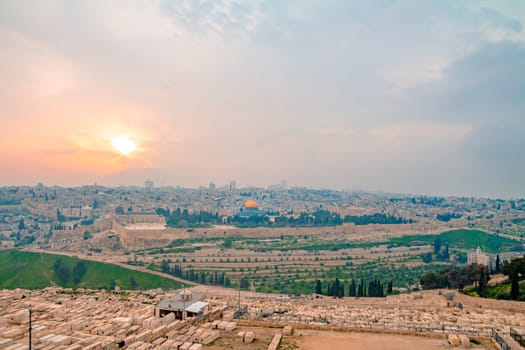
point(250, 203)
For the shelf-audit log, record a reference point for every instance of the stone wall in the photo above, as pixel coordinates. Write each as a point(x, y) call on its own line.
point(393, 330)
point(483, 303)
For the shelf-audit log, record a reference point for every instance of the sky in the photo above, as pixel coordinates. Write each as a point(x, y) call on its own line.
point(420, 97)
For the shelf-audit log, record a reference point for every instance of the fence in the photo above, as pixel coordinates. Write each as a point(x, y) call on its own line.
point(499, 339)
point(517, 336)
point(381, 327)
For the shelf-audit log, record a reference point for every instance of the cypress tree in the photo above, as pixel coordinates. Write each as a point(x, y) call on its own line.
point(352, 289)
point(337, 286)
point(498, 265)
point(341, 290)
point(483, 282)
point(318, 287)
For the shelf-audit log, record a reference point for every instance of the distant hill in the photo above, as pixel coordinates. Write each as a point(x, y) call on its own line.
point(19, 269)
point(464, 239)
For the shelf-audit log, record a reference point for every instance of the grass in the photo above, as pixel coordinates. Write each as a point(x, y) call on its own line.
point(463, 239)
point(502, 291)
point(19, 269)
point(499, 291)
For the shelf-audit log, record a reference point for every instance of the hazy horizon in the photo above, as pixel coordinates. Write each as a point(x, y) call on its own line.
point(393, 96)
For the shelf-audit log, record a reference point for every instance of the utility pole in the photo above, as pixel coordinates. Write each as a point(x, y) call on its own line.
point(30, 326)
point(183, 301)
point(239, 302)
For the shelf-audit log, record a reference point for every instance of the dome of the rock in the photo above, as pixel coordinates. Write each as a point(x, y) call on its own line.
point(250, 203)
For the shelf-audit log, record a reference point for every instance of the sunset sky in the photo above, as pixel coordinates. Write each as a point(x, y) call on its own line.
point(422, 97)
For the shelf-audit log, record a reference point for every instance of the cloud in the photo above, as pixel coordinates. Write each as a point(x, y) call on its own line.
point(392, 95)
point(498, 19)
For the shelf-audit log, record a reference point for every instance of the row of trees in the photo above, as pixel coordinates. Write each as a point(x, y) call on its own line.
point(319, 218)
point(446, 217)
point(183, 218)
point(441, 252)
point(377, 218)
point(203, 277)
point(373, 288)
point(457, 277)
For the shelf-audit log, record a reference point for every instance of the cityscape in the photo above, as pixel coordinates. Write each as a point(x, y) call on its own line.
point(275, 255)
point(262, 175)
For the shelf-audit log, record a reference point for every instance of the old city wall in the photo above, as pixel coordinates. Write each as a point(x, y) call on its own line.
point(143, 239)
point(137, 238)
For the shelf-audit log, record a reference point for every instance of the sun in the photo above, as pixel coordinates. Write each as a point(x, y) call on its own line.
point(123, 145)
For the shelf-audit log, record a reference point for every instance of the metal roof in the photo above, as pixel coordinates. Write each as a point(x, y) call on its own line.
point(176, 303)
point(197, 307)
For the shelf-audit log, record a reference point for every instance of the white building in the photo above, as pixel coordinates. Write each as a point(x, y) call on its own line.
point(478, 257)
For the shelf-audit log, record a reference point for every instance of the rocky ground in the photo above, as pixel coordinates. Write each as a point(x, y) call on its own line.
point(64, 319)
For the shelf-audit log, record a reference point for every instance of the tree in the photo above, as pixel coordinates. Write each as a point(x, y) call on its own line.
point(336, 288)
point(432, 281)
point(318, 287)
point(446, 254)
point(483, 281)
point(339, 289)
point(371, 289)
point(21, 224)
point(361, 289)
point(437, 245)
point(79, 271)
point(513, 269)
point(244, 283)
point(61, 271)
point(227, 243)
point(375, 288)
point(352, 289)
point(132, 282)
point(427, 257)
point(165, 266)
point(389, 288)
point(497, 267)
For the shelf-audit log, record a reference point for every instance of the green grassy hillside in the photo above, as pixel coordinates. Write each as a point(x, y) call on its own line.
point(464, 239)
point(19, 269)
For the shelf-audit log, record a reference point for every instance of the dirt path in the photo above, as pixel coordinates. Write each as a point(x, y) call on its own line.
point(109, 260)
point(208, 289)
point(313, 340)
